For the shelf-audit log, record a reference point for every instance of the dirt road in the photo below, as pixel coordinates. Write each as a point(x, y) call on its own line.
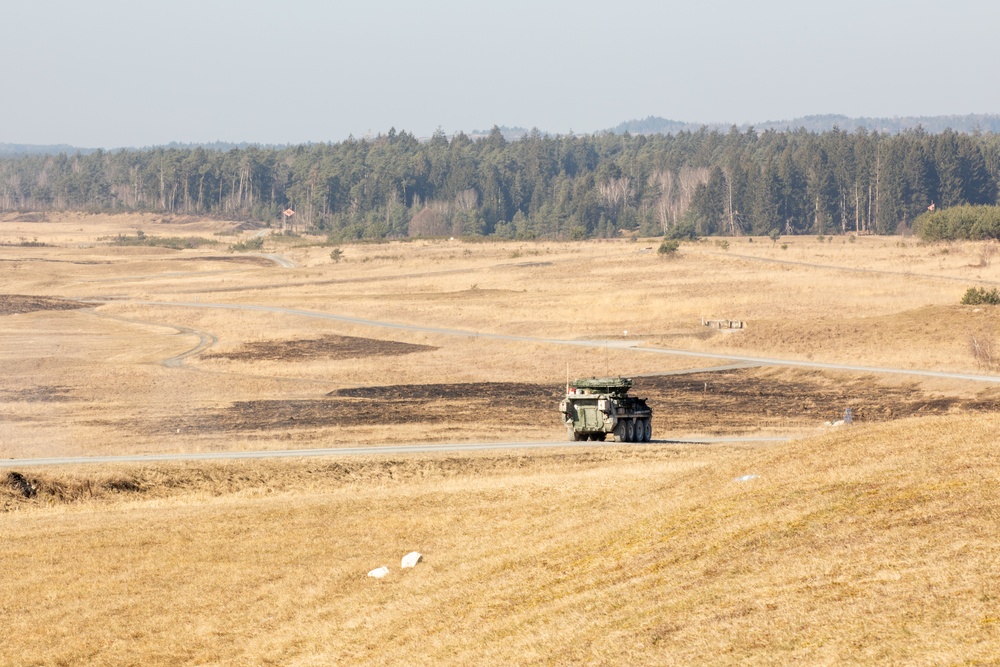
point(758, 361)
point(353, 451)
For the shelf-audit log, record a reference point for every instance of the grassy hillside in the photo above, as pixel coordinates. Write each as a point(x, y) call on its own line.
point(874, 544)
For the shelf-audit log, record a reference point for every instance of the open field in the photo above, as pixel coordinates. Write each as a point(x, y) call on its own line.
point(876, 545)
point(870, 544)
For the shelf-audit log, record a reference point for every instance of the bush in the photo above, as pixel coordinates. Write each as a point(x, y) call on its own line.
point(173, 242)
point(669, 248)
point(959, 222)
point(256, 243)
point(978, 296)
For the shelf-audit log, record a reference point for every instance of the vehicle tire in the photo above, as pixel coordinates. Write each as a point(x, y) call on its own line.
point(572, 435)
point(620, 431)
point(647, 430)
point(630, 431)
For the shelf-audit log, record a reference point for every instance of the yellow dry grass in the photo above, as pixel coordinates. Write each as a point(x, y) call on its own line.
point(831, 302)
point(873, 545)
point(869, 545)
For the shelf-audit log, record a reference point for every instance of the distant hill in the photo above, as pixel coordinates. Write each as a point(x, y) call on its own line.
point(36, 149)
point(968, 123)
point(221, 146)
point(56, 149)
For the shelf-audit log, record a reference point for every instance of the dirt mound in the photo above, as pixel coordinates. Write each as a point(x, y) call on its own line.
point(30, 217)
point(21, 491)
point(15, 304)
point(327, 347)
point(16, 489)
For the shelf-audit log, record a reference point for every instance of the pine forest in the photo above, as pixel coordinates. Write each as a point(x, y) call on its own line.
point(540, 186)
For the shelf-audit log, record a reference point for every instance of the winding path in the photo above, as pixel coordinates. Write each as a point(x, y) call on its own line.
point(627, 345)
point(281, 261)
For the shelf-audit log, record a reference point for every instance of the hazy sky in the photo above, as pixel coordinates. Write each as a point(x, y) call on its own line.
point(110, 73)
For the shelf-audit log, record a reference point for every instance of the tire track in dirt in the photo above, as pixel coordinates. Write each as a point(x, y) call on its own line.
point(280, 260)
point(205, 339)
point(760, 361)
point(851, 269)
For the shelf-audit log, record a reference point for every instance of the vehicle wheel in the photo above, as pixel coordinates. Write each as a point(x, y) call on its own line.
point(630, 431)
point(648, 430)
point(620, 431)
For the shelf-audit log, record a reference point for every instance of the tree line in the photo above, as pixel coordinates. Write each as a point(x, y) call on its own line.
point(539, 186)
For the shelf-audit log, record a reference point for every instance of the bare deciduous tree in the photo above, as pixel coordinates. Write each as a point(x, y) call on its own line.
point(982, 345)
point(466, 200)
point(676, 193)
point(616, 192)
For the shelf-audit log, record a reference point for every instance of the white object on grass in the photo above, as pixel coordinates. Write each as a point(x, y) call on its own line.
point(746, 478)
point(411, 559)
point(379, 572)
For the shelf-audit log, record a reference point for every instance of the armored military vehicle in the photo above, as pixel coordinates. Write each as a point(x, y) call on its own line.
point(595, 407)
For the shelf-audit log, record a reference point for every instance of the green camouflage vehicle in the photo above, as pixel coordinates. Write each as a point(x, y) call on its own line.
point(595, 407)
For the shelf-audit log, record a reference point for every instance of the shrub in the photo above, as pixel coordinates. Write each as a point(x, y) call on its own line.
point(669, 248)
point(256, 243)
point(173, 242)
point(978, 296)
point(959, 222)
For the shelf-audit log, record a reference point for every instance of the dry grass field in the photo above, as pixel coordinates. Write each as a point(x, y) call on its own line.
point(872, 544)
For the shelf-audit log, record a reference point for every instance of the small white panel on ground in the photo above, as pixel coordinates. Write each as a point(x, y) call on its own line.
point(411, 559)
point(379, 572)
